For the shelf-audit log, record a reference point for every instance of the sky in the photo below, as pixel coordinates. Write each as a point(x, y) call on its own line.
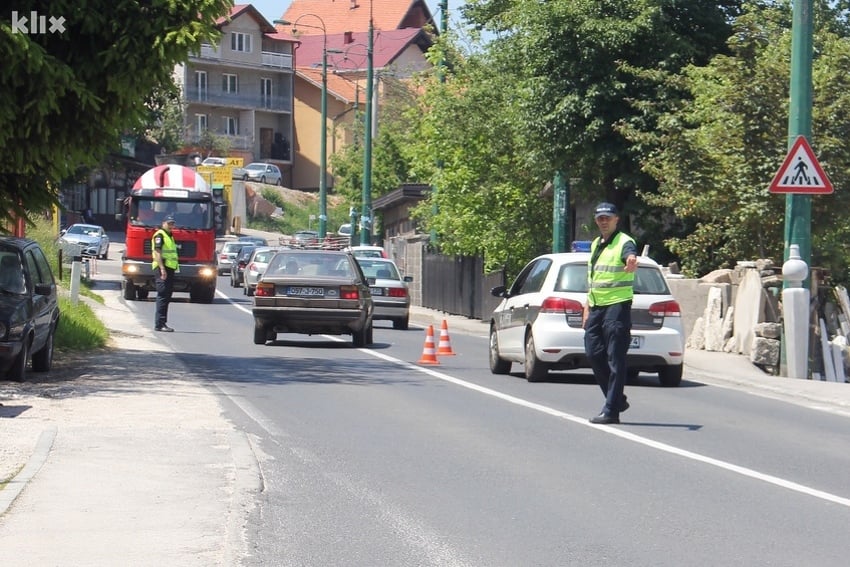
point(274, 9)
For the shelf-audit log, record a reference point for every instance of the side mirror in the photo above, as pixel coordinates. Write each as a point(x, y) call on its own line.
point(408, 279)
point(499, 291)
point(370, 281)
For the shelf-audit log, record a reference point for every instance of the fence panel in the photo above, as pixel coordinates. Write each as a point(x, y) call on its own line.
point(458, 285)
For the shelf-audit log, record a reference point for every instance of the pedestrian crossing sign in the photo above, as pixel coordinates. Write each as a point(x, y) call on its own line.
point(801, 172)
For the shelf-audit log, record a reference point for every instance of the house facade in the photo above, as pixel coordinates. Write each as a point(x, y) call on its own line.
point(242, 90)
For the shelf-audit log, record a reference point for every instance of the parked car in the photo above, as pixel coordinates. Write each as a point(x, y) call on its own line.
point(29, 308)
point(262, 172)
point(256, 267)
point(368, 251)
point(313, 292)
point(305, 238)
point(227, 254)
point(214, 161)
point(344, 229)
point(539, 320)
point(389, 292)
point(90, 239)
point(237, 268)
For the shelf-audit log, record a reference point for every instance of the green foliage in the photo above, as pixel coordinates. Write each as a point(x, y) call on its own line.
point(714, 157)
point(79, 328)
point(69, 95)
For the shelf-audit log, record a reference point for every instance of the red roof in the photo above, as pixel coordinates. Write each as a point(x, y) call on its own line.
point(387, 45)
point(339, 16)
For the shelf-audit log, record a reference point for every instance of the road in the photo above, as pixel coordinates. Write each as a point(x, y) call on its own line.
point(370, 459)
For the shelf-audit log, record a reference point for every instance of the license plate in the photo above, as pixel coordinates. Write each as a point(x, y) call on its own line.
point(306, 291)
point(635, 342)
point(377, 290)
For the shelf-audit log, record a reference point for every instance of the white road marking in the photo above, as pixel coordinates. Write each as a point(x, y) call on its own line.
point(743, 471)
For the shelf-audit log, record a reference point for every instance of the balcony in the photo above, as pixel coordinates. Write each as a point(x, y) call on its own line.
point(269, 58)
point(244, 101)
point(236, 142)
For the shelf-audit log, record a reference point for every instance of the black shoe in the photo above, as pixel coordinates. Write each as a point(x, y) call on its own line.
point(604, 419)
point(625, 406)
point(164, 329)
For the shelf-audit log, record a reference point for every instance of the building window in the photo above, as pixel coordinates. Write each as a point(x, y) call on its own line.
point(240, 42)
point(201, 84)
point(229, 83)
point(201, 123)
point(266, 92)
point(231, 126)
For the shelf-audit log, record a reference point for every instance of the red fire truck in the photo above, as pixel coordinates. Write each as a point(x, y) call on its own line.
point(178, 191)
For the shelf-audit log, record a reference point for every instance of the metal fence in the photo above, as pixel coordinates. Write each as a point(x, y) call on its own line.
point(458, 285)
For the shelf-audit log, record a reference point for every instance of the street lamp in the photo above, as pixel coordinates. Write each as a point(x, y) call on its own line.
point(323, 146)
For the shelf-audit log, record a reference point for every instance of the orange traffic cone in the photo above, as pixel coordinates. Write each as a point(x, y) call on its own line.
point(428, 354)
point(445, 347)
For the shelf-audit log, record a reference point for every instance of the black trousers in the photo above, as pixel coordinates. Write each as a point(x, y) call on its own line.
point(607, 334)
point(164, 288)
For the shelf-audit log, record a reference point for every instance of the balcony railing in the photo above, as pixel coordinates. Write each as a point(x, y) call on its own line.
point(269, 58)
point(236, 142)
point(259, 102)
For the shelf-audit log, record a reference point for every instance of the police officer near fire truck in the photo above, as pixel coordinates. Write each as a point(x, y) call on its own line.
point(608, 312)
point(165, 265)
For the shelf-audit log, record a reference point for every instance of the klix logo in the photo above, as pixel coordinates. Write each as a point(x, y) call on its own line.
point(35, 24)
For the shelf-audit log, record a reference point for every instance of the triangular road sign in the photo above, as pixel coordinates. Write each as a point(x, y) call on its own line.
point(801, 172)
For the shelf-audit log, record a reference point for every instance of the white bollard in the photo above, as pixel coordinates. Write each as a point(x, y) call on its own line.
point(795, 311)
point(76, 271)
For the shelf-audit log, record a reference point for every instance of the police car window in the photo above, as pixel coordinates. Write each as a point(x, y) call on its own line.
point(533, 282)
point(572, 277)
point(650, 281)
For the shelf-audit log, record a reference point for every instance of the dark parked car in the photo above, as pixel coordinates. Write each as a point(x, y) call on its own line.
point(237, 268)
point(314, 292)
point(29, 309)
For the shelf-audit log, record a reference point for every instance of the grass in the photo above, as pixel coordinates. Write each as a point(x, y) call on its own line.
point(296, 215)
point(79, 328)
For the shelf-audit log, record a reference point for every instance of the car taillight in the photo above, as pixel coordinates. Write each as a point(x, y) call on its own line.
point(264, 289)
point(665, 309)
point(223, 256)
point(397, 292)
point(561, 305)
point(252, 267)
point(349, 292)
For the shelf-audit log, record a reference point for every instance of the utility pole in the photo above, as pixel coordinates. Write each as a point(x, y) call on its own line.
point(444, 26)
point(366, 212)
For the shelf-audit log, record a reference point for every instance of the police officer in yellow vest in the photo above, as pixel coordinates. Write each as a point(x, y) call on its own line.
point(607, 314)
point(164, 250)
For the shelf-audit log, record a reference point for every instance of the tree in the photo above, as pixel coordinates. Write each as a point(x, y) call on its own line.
point(714, 157)
point(69, 93)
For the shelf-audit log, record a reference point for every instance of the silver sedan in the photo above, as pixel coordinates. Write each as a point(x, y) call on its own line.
point(87, 239)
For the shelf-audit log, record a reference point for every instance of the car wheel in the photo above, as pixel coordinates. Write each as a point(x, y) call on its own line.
point(249, 291)
point(632, 376)
point(261, 335)
point(670, 376)
point(129, 291)
point(232, 280)
point(535, 369)
point(245, 177)
point(279, 181)
point(142, 293)
point(402, 324)
point(105, 255)
point(262, 179)
point(370, 335)
point(18, 370)
point(42, 361)
point(358, 338)
point(498, 365)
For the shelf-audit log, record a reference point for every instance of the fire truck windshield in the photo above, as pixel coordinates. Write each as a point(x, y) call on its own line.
point(147, 212)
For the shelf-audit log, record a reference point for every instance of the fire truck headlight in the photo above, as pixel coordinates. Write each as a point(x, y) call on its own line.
point(207, 272)
point(130, 268)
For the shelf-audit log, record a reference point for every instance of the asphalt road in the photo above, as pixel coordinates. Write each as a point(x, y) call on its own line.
point(368, 458)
